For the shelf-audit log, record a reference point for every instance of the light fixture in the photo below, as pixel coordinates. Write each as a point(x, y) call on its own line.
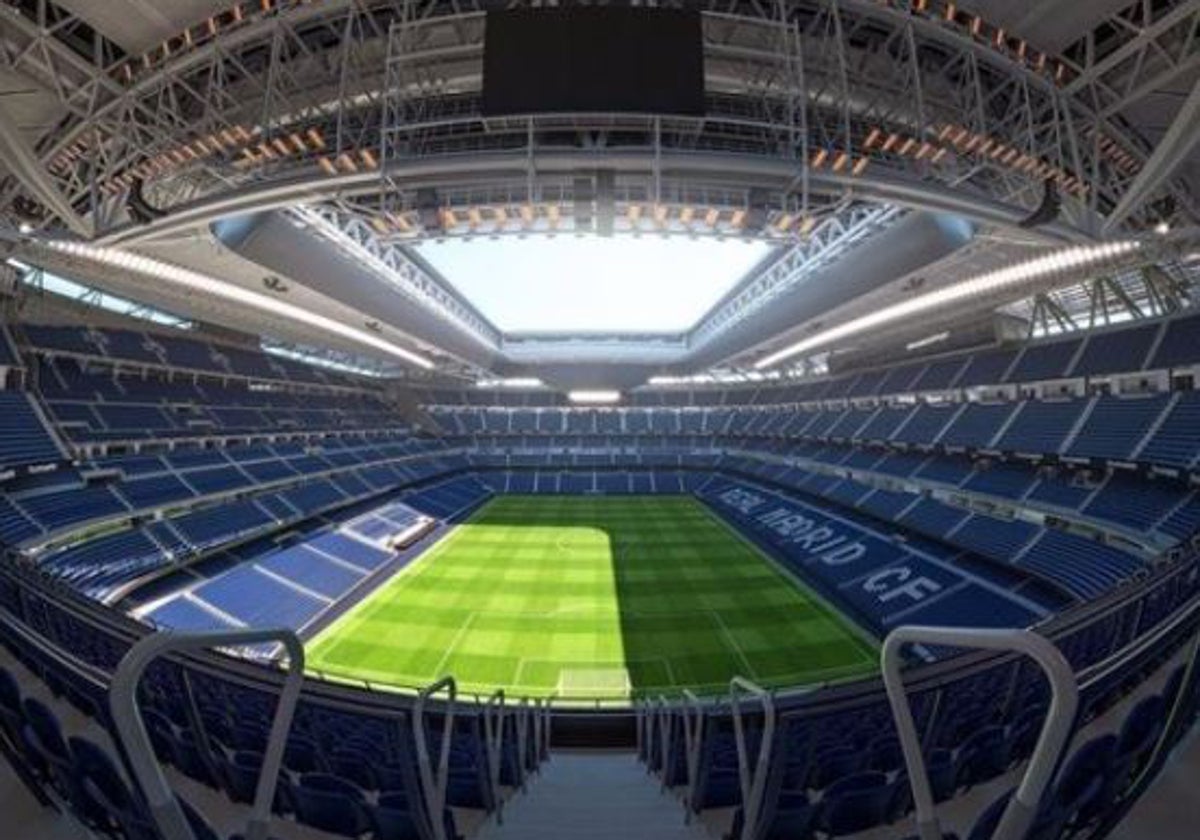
point(937, 338)
point(1162, 228)
point(511, 382)
point(205, 285)
point(1049, 265)
point(600, 397)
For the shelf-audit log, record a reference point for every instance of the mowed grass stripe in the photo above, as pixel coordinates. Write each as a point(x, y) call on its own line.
point(535, 586)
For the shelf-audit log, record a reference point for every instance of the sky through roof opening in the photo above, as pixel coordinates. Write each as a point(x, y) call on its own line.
point(619, 284)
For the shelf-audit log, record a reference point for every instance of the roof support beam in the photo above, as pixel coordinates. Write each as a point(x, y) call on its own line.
point(1174, 147)
point(24, 164)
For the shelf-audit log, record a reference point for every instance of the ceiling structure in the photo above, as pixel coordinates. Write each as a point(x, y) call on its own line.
point(880, 151)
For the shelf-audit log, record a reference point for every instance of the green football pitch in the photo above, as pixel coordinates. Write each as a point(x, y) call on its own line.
point(583, 597)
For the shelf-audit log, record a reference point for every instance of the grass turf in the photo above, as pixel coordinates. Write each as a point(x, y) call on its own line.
point(595, 596)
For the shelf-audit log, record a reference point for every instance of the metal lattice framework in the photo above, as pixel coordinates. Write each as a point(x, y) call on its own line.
point(896, 102)
point(393, 264)
point(828, 241)
point(1147, 292)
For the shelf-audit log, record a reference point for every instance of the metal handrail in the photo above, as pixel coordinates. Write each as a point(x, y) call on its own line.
point(692, 716)
point(434, 782)
point(493, 737)
point(1060, 719)
point(1174, 714)
point(523, 716)
point(752, 781)
point(164, 808)
point(547, 727)
point(664, 738)
point(639, 724)
point(539, 733)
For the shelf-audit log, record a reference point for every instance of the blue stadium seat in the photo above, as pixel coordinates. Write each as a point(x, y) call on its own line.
point(331, 804)
point(855, 803)
point(24, 439)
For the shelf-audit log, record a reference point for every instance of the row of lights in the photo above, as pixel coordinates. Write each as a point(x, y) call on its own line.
point(237, 14)
point(1009, 278)
point(246, 146)
point(880, 141)
point(972, 143)
point(648, 217)
point(996, 37)
point(1116, 153)
point(205, 285)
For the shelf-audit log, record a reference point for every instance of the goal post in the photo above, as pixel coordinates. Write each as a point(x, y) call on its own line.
point(587, 683)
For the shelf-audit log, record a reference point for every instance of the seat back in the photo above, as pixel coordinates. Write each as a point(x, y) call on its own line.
point(856, 803)
point(330, 804)
point(391, 819)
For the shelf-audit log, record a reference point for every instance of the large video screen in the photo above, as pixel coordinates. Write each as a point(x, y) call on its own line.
point(593, 59)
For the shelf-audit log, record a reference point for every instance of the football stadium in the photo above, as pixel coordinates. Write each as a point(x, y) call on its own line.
point(599, 419)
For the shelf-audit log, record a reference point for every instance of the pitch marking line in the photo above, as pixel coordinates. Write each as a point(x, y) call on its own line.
point(855, 632)
point(360, 612)
point(732, 644)
point(466, 625)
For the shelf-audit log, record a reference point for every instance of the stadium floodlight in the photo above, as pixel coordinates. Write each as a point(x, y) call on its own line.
point(594, 397)
point(205, 285)
point(1011, 277)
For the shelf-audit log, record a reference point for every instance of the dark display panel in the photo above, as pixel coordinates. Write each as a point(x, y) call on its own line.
point(593, 59)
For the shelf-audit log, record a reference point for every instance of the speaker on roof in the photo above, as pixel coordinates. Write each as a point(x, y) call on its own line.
point(138, 207)
point(757, 211)
point(428, 212)
point(606, 212)
point(584, 195)
point(1047, 211)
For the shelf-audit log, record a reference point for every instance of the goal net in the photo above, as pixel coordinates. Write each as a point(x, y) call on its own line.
point(593, 682)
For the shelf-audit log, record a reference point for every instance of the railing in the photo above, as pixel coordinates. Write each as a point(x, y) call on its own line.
point(752, 780)
point(692, 718)
point(665, 715)
point(1060, 719)
point(434, 780)
point(493, 737)
point(163, 807)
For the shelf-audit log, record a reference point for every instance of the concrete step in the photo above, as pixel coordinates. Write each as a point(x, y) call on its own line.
point(593, 795)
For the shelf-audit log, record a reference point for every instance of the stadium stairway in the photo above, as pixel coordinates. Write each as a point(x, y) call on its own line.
point(593, 796)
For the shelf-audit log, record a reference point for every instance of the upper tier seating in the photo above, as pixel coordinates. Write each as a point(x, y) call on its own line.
point(1172, 343)
point(23, 438)
point(175, 350)
point(1115, 427)
point(1175, 442)
point(1152, 428)
point(96, 406)
point(1116, 352)
point(1051, 360)
point(1041, 426)
point(1179, 345)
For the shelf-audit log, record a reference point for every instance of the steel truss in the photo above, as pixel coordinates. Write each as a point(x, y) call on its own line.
point(831, 239)
point(355, 237)
point(863, 97)
point(1149, 291)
